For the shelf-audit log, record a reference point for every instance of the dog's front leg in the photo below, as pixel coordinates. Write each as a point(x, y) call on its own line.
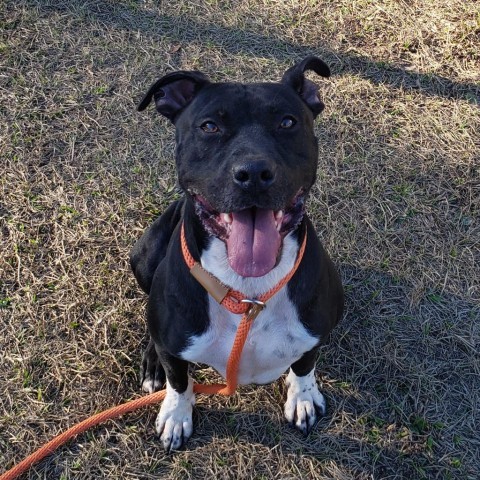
point(304, 400)
point(174, 422)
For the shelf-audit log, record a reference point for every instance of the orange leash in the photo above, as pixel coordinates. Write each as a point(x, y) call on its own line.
point(233, 301)
point(127, 407)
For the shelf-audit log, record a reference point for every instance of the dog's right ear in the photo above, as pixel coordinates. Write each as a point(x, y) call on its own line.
point(173, 92)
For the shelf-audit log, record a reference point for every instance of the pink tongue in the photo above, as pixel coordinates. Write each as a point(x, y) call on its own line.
point(253, 243)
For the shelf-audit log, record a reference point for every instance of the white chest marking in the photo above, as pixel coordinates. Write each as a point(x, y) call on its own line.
point(277, 338)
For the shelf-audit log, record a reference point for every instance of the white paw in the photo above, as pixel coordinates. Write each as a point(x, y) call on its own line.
point(149, 385)
point(304, 401)
point(174, 422)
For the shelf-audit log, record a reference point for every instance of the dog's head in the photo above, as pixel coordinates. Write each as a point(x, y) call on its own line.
point(246, 156)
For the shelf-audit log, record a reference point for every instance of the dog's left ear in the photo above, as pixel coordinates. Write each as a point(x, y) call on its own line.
point(295, 78)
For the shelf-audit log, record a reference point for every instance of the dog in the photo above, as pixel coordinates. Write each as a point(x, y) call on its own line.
point(246, 158)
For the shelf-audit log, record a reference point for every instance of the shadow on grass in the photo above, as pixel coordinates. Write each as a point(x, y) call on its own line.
point(237, 41)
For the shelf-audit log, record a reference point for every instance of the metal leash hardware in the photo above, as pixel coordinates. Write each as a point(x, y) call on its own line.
point(256, 306)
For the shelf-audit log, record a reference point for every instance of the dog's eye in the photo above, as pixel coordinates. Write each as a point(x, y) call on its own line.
point(209, 127)
point(287, 122)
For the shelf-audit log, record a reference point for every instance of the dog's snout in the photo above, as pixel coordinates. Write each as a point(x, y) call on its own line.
point(254, 175)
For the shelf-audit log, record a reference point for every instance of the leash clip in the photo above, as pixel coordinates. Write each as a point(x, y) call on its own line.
point(256, 306)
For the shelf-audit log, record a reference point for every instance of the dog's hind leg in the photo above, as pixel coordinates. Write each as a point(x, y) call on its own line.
point(152, 374)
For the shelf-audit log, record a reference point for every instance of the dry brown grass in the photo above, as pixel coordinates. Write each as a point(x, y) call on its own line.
point(396, 203)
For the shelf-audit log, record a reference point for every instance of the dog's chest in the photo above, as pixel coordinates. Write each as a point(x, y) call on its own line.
point(276, 339)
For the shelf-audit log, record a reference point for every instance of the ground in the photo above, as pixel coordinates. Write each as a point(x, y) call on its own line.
point(396, 204)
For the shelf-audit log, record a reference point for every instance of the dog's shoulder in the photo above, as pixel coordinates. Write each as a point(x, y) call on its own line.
point(151, 248)
point(316, 289)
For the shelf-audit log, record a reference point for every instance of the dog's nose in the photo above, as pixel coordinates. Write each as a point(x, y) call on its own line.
point(255, 175)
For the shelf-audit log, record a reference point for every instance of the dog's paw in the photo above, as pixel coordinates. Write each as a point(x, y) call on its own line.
point(174, 422)
point(152, 375)
point(304, 401)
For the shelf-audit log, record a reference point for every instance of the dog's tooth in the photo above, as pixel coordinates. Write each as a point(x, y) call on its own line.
point(278, 219)
point(227, 217)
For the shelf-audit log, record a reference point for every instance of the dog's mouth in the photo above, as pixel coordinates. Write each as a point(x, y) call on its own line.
point(253, 236)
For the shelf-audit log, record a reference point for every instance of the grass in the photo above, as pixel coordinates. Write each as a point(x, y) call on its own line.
point(396, 204)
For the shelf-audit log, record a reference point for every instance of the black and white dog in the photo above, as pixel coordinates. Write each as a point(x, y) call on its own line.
point(246, 159)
